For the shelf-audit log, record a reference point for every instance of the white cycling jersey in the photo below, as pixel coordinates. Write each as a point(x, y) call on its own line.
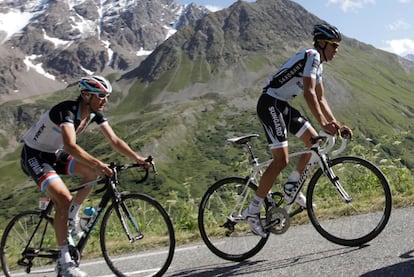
point(46, 134)
point(287, 82)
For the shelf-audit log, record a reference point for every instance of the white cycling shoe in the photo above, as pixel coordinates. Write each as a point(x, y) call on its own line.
point(254, 222)
point(69, 269)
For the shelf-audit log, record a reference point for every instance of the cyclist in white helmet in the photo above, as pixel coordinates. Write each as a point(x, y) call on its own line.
point(50, 149)
point(302, 73)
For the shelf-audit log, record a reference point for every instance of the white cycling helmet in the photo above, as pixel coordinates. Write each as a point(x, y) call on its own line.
point(95, 84)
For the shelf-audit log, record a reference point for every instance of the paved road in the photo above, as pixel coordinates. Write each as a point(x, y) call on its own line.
point(301, 252)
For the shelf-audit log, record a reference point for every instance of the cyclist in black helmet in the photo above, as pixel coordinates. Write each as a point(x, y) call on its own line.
point(302, 73)
point(50, 149)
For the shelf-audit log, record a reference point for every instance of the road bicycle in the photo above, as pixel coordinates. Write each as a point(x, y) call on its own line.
point(348, 201)
point(134, 228)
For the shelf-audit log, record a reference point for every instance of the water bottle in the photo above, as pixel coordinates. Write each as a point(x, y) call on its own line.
point(88, 212)
point(290, 186)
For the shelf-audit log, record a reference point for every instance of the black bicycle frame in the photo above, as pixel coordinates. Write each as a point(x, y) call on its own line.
point(111, 193)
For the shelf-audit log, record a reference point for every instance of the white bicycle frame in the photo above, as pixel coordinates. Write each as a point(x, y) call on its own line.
point(318, 157)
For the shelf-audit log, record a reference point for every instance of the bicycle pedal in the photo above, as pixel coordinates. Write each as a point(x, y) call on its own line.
point(136, 238)
point(32, 251)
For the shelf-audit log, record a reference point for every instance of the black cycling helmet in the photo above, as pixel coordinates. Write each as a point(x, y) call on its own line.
point(326, 31)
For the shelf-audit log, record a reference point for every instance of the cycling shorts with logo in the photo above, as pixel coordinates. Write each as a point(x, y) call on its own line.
point(278, 118)
point(44, 167)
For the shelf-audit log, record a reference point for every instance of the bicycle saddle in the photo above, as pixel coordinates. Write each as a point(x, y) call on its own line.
point(243, 139)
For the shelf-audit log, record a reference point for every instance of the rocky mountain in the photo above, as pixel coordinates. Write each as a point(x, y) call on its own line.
point(410, 57)
point(219, 65)
point(46, 44)
point(227, 37)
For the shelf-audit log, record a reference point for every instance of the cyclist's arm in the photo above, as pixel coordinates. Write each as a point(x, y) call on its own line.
point(80, 155)
point(315, 98)
point(120, 145)
point(323, 103)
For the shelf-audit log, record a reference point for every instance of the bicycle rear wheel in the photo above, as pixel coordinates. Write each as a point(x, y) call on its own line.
point(358, 221)
point(39, 255)
point(150, 250)
point(225, 238)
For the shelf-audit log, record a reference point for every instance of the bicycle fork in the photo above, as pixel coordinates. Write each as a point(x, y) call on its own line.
point(124, 224)
point(324, 163)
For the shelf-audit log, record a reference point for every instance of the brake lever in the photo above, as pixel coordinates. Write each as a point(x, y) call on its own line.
point(151, 161)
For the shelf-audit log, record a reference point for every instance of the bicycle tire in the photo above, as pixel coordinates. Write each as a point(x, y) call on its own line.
point(153, 253)
point(215, 207)
point(16, 237)
point(361, 220)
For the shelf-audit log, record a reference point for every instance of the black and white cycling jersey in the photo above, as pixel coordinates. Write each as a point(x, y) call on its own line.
point(46, 134)
point(287, 82)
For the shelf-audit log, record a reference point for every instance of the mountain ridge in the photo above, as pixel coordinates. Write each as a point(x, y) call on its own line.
point(68, 39)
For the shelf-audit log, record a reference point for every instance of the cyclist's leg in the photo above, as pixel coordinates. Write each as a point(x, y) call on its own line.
point(306, 138)
point(280, 161)
point(88, 174)
point(59, 194)
point(66, 164)
point(270, 114)
point(39, 166)
point(61, 197)
point(302, 129)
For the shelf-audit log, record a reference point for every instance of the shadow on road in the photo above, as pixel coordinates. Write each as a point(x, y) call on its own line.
point(402, 269)
point(255, 267)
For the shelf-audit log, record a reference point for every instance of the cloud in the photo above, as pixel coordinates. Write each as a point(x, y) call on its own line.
point(214, 8)
point(400, 47)
point(347, 5)
point(399, 25)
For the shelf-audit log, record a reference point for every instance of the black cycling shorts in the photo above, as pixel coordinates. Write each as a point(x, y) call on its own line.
point(278, 118)
point(44, 167)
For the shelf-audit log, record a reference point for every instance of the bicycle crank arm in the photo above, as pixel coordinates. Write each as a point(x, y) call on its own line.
point(297, 211)
point(229, 226)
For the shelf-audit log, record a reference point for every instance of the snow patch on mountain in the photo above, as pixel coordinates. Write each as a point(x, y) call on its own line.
point(28, 61)
point(13, 22)
point(62, 40)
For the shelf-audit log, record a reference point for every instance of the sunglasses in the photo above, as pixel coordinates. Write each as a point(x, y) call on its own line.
point(102, 96)
point(334, 44)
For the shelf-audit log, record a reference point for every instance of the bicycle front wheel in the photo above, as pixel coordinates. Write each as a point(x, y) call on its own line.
point(220, 224)
point(27, 244)
point(146, 246)
point(363, 216)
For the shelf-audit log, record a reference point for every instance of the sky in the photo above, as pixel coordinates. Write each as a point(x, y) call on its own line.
point(385, 24)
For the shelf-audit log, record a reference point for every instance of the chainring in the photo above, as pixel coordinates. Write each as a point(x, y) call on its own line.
point(277, 220)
